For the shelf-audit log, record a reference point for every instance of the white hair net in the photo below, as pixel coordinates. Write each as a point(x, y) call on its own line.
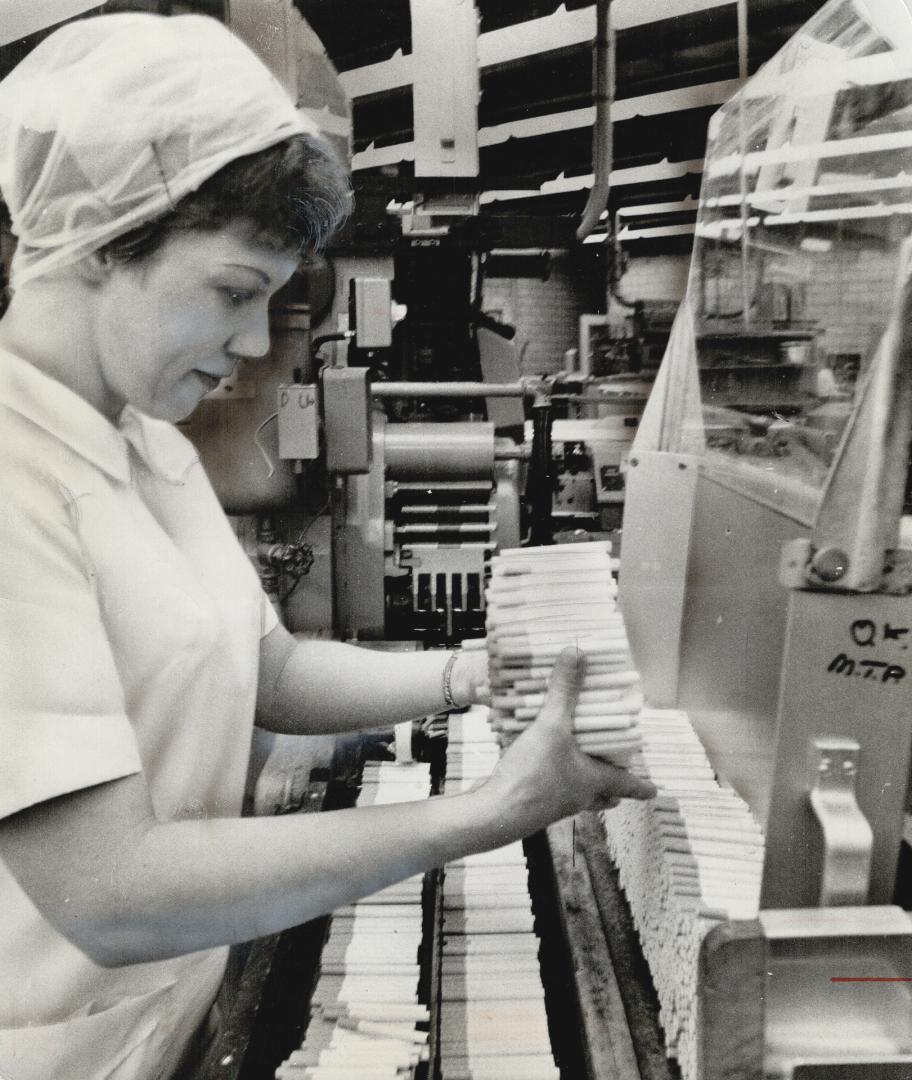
point(111, 120)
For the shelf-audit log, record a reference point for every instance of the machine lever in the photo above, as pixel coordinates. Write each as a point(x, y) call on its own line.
point(847, 835)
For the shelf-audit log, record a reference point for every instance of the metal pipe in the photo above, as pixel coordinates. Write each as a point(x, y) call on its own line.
point(743, 43)
point(743, 55)
point(450, 389)
point(474, 528)
point(512, 453)
point(477, 389)
point(603, 133)
point(455, 509)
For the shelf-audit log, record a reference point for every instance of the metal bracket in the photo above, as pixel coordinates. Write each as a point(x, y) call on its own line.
point(802, 566)
point(847, 836)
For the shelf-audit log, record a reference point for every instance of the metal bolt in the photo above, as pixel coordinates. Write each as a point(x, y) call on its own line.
point(830, 564)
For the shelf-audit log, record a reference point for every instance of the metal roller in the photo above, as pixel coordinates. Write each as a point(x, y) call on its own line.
point(439, 451)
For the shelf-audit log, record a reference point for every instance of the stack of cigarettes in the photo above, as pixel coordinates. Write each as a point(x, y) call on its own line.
point(493, 1024)
point(366, 1020)
point(541, 600)
point(687, 859)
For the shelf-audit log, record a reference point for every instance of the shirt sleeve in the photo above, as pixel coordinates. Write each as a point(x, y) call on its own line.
point(63, 721)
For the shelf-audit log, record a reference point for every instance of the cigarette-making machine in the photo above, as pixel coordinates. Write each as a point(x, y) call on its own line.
point(765, 563)
point(415, 522)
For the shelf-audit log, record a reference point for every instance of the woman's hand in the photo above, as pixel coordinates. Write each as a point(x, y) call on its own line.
point(469, 677)
point(544, 776)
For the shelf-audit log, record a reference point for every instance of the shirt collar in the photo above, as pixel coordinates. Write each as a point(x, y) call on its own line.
point(163, 449)
point(71, 419)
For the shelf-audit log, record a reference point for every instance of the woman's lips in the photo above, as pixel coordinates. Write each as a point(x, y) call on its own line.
point(209, 381)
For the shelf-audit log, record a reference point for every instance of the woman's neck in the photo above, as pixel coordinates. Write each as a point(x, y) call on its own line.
point(48, 325)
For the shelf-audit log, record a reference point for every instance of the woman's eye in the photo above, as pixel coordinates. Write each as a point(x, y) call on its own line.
point(237, 297)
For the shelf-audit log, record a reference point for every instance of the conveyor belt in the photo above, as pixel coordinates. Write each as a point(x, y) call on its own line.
point(493, 1021)
point(366, 1017)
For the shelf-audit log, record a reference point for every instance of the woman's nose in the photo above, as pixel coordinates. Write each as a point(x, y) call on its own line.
point(251, 339)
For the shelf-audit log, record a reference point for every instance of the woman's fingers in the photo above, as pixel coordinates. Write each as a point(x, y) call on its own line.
point(619, 783)
point(563, 688)
point(544, 775)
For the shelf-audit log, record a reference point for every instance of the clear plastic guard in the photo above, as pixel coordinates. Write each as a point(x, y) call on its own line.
point(806, 201)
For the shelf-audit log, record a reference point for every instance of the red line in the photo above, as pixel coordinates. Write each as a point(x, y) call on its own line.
point(871, 978)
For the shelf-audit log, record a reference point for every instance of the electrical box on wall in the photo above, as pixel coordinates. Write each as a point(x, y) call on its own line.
point(298, 424)
point(347, 425)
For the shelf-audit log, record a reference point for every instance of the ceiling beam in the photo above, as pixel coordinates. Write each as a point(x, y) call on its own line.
point(561, 30)
point(666, 101)
point(637, 174)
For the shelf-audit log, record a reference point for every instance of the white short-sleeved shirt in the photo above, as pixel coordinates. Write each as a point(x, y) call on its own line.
point(130, 621)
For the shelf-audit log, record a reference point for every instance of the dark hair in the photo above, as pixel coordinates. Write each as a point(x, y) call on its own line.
point(293, 196)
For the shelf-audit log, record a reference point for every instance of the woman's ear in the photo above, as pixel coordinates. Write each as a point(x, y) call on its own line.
point(95, 268)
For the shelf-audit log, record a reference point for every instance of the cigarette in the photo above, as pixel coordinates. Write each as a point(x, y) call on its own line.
point(503, 584)
point(601, 648)
point(585, 725)
point(565, 637)
point(546, 613)
point(600, 547)
point(542, 671)
point(541, 588)
point(535, 701)
point(400, 1033)
point(512, 644)
point(626, 706)
point(383, 1013)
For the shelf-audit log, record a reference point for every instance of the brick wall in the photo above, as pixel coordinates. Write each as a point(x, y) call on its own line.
point(655, 277)
point(545, 313)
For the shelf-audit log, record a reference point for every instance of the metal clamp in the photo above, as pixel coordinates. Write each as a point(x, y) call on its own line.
point(847, 836)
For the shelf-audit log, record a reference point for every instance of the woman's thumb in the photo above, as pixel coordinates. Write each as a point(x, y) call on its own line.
point(564, 686)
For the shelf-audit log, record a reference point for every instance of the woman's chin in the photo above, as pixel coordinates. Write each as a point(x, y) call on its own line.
point(181, 403)
point(172, 411)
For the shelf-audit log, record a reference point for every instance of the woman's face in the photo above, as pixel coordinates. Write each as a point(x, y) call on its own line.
point(168, 328)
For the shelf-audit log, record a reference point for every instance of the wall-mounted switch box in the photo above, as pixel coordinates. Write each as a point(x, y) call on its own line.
point(298, 422)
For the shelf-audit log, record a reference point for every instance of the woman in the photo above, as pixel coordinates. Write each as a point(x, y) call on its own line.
point(162, 187)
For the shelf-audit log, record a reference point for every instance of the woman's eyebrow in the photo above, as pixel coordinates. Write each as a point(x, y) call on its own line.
point(267, 280)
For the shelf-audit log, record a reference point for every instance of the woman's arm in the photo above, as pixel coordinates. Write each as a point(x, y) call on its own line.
point(318, 687)
point(126, 888)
